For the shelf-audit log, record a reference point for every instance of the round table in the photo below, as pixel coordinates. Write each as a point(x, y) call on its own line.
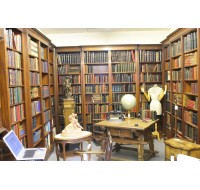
point(80, 138)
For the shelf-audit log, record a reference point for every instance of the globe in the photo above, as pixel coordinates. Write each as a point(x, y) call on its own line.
point(128, 101)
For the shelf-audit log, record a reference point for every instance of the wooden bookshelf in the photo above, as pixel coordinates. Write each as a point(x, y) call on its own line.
point(26, 63)
point(150, 73)
point(107, 73)
point(13, 92)
point(69, 64)
point(183, 94)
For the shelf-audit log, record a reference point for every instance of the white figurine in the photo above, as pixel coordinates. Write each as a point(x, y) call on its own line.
point(155, 94)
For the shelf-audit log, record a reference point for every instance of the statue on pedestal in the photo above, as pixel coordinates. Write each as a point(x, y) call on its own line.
point(67, 87)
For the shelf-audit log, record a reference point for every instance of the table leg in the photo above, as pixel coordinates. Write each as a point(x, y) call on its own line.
point(57, 152)
point(141, 148)
point(89, 142)
point(64, 155)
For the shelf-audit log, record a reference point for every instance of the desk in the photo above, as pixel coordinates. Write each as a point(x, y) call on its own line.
point(58, 139)
point(132, 131)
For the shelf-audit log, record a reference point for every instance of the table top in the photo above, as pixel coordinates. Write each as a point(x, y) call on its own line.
point(84, 134)
point(132, 123)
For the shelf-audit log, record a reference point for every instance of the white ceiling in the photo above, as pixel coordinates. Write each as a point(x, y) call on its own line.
point(88, 30)
point(105, 36)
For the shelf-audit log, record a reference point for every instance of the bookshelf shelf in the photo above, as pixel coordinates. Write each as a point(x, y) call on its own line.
point(25, 64)
point(106, 75)
point(184, 81)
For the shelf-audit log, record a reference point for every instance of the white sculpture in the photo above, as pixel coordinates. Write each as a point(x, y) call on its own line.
point(155, 94)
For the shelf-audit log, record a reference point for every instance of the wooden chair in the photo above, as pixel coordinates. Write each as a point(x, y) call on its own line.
point(104, 154)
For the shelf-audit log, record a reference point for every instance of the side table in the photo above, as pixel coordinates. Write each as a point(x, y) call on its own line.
point(58, 139)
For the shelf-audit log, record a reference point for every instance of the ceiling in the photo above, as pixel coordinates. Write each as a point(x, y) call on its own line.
point(91, 30)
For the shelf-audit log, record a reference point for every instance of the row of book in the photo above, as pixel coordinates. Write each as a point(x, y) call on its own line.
point(176, 75)
point(97, 108)
point(46, 116)
point(150, 68)
point(17, 113)
point(191, 102)
point(191, 59)
point(167, 75)
point(34, 92)
point(99, 98)
point(77, 98)
point(191, 73)
point(47, 126)
point(91, 78)
point(101, 88)
point(76, 79)
point(43, 52)
point(95, 57)
point(69, 58)
point(123, 88)
point(45, 104)
point(148, 114)
point(76, 89)
point(78, 109)
point(123, 56)
point(33, 64)
point(13, 39)
point(150, 56)
point(69, 69)
point(193, 88)
point(44, 66)
point(124, 77)
point(176, 48)
point(19, 129)
point(15, 77)
point(123, 67)
point(32, 47)
point(96, 69)
point(150, 77)
point(167, 52)
point(45, 91)
point(14, 59)
point(190, 41)
point(16, 95)
point(191, 117)
point(167, 66)
point(36, 107)
point(176, 63)
point(191, 132)
point(34, 78)
point(177, 86)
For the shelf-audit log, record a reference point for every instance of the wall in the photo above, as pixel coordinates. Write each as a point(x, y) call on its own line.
point(109, 38)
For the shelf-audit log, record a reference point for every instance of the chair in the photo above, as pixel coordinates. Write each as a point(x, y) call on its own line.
point(104, 154)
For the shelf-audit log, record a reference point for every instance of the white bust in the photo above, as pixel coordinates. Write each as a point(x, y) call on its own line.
point(155, 94)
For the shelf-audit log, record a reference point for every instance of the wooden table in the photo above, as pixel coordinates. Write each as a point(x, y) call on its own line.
point(132, 131)
point(58, 139)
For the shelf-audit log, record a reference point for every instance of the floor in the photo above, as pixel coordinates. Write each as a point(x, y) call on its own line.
point(122, 154)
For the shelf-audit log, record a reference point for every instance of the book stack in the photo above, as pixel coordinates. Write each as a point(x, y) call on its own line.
point(33, 47)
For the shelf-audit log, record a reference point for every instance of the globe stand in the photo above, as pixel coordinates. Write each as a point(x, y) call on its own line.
point(128, 101)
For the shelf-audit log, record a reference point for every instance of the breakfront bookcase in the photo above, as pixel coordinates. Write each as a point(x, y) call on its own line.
point(181, 74)
point(27, 64)
point(101, 75)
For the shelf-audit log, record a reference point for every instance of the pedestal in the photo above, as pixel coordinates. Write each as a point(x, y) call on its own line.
point(68, 109)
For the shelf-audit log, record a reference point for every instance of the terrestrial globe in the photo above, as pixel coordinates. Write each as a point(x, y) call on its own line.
point(128, 102)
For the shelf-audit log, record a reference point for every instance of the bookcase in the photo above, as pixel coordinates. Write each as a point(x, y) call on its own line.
point(181, 52)
point(27, 61)
point(106, 74)
point(69, 64)
point(14, 89)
